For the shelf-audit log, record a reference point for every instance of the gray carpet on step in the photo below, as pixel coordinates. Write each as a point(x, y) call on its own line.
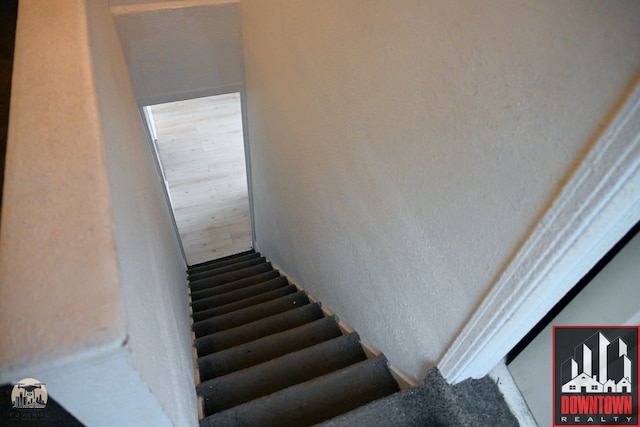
point(472, 403)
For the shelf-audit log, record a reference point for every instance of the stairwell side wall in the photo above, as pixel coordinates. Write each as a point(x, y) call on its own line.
point(60, 298)
point(93, 295)
point(152, 269)
point(402, 152)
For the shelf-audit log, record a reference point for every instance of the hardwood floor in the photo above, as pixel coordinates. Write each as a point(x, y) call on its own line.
point(202, 152)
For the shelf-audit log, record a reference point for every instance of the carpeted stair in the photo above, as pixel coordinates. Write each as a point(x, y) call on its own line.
point(269, 356)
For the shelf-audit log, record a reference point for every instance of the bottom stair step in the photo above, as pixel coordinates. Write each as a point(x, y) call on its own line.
point(267, 348)
point(313, 401)
point(285, 371)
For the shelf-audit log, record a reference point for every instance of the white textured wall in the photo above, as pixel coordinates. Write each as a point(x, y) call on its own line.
point(59, 289)
point(181, 49)
point(401, 151)
point(152, 269)
point(93, 297)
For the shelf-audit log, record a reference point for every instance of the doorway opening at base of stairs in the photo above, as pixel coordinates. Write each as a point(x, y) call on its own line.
point(200, 146)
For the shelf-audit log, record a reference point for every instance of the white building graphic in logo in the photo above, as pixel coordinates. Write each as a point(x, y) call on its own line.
point(29, 393)
point(598, 366)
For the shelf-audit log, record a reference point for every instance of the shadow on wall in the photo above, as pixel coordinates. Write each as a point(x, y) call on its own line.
point(8, 16)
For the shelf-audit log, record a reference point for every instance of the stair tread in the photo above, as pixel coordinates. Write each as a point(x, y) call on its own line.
point(225, 278)
point(267, 356)
point(251, 331)
point(406, 407)
point(193, 277)
point(276, 374)
point(244, 302)
point(220, 261)
point(267, 348)
point(236, 284)
point(249, 314)
point(239, 294)
point(313, 401)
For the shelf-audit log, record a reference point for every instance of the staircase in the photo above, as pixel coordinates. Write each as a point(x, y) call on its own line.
point(269, 356)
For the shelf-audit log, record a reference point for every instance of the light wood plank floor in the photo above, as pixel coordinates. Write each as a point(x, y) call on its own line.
point(202, 152)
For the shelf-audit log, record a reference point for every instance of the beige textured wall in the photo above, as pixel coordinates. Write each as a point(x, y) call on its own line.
point(182, 49)
point(138, 2)
point(152, 269)
point(93, 296)
point(401, 151)
point(59, 292)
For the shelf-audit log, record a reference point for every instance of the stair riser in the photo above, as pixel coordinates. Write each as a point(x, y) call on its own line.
point(193, 277)
point(244, 303)
point(312, 402)
point(231, 286)
point(267, 348)
point(294, 368)
point(229, 277)
point(230, 259)
point(268, 357)
point(250, 314)
point(254, 330)
point(238, 294)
